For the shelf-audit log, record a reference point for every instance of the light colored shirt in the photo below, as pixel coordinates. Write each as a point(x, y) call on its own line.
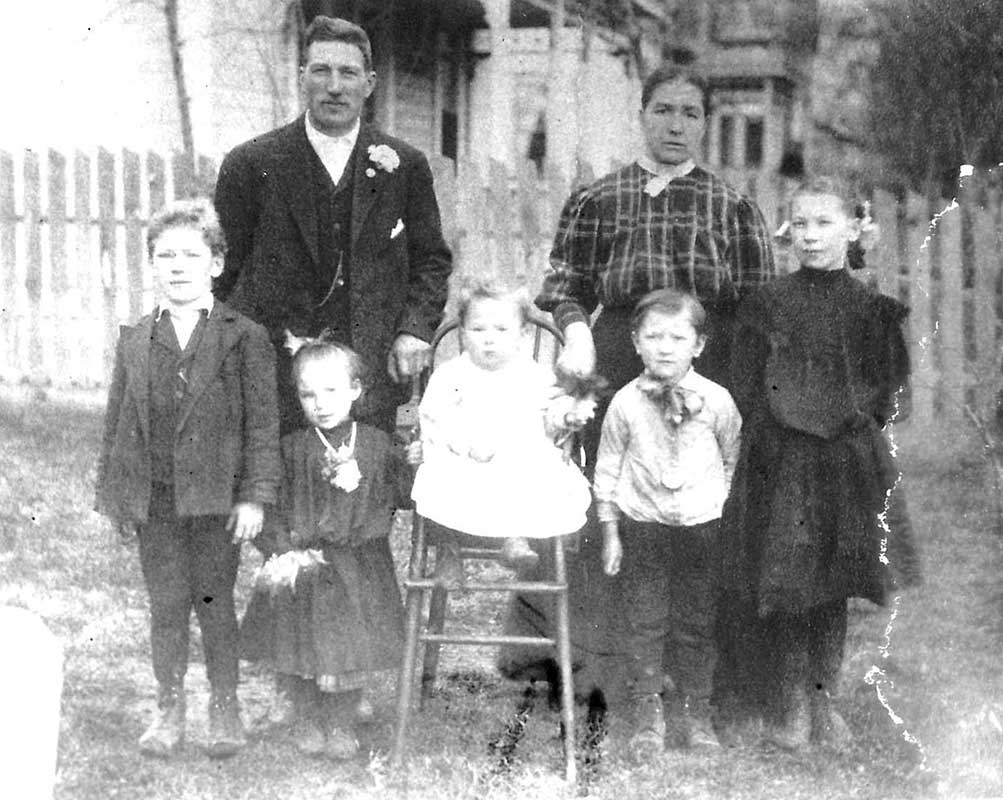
point(653, 471)
point(185, 318)
point(333, 151)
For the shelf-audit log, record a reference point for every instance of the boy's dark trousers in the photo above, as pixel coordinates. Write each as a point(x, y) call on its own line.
point(668, 577)
point(190, 562)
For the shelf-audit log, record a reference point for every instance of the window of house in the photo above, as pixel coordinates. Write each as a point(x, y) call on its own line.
point(450, 128)
point(754, 142)
point(727, 140)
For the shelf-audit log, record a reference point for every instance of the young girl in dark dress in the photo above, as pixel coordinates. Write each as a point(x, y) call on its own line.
point(818, 362)
point(336, 608)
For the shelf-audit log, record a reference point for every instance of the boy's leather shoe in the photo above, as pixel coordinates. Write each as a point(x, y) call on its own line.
point(794, 731)
point(699, 728)
point(648, 741)
point(167, 731)
point(226, 732)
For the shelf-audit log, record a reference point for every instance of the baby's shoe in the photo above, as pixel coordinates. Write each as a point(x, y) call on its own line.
point(517, 554)
point(648, 741)
point(167, 731)
point(226, 732)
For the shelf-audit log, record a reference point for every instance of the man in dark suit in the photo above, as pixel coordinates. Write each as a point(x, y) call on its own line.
point(332, 224)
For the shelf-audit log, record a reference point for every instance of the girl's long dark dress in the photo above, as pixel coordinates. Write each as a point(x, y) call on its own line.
point(819, 364)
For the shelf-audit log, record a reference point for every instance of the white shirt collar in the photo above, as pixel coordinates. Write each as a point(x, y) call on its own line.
point(321, 141)
point(662, 174)
point(204, 303)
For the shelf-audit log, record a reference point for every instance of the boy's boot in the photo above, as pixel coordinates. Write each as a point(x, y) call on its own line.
point(827, 725)
point(698, 725)
point(794, 729)
point(167, 731)
point(308, 734)
point(226, 732)
point(648, 741)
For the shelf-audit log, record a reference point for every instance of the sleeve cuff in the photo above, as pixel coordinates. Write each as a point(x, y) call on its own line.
point(607, 511)
point(566, 313)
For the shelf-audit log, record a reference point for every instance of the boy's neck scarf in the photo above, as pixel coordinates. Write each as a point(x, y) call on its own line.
point(676, 402)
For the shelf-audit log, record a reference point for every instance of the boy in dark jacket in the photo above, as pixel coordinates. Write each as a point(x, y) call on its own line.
point(190, 458)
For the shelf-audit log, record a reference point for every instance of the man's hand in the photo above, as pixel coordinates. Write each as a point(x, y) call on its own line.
point(414, 453)
point(245, 521)
point(408, 356)
point(579, 354)
point(612, 548)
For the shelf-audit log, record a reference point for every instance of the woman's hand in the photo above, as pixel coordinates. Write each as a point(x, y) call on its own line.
point(579, 354)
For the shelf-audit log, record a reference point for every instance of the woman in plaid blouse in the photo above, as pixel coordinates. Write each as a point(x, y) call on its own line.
point(660, 222)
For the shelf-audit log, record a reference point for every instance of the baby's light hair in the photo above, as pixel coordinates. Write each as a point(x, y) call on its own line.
point(197, 213)
point(318, 348)
point(670, 302)
point(476, 288)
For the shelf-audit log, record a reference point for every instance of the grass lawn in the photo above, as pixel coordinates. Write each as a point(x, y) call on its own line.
point(923, 683)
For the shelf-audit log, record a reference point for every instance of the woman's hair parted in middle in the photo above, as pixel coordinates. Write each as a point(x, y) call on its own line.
point(476, 288)
point(670, 302)
point(318, 348)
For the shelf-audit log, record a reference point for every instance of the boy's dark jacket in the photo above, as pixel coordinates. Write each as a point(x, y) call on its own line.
point(227, 439)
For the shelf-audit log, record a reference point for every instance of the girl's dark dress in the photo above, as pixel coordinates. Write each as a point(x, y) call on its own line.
point(344, 618)
point(818, 362)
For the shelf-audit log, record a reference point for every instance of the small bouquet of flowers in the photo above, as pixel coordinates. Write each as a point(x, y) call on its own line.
point(286, 569)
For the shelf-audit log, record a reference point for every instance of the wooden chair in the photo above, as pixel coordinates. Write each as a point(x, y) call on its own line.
point(431, 632)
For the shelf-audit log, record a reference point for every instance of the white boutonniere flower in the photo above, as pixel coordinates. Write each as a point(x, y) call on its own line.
point(383, 157)
point(287, 569)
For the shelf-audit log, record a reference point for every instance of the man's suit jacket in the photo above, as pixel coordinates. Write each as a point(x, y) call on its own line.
point(399, 265)
point(226, 447)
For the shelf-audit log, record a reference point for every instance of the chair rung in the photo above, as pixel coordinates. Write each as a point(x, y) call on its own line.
point(492, 553)
point(446, 638)
point(526, 587)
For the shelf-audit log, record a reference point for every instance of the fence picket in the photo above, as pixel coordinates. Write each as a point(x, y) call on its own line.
point(59, 286)
point(107, 252)
point(8, 266)
point(918, 255)
point(948, 316)
point(33, 257)
point(135, 263)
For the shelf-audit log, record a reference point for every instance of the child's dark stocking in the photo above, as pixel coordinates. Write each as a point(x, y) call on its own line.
point(308, 730)
point(826, 637)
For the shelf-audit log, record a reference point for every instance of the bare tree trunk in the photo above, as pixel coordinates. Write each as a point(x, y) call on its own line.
point(184, 100)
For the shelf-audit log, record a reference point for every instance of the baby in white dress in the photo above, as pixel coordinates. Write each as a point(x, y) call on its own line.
point(491, 422)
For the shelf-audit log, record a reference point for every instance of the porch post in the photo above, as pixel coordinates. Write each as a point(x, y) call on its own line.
point(497, 124)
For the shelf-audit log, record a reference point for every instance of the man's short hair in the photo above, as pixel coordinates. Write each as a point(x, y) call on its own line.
point(669, 73)
point(335, 29)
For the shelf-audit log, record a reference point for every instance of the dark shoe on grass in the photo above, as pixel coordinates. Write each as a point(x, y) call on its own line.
point(699, 729)
point(794, 730)
point(309, 737)
point(648, 740)
point(341, 744)
point(828, 728)
point(167, 731)
point(518, 555)
point(226, 732)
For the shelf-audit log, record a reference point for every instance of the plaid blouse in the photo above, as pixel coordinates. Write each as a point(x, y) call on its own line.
point(615, 243)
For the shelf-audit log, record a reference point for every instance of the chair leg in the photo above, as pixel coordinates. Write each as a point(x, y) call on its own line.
point(412, 622)
point(436, 624)
point(564, 660)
